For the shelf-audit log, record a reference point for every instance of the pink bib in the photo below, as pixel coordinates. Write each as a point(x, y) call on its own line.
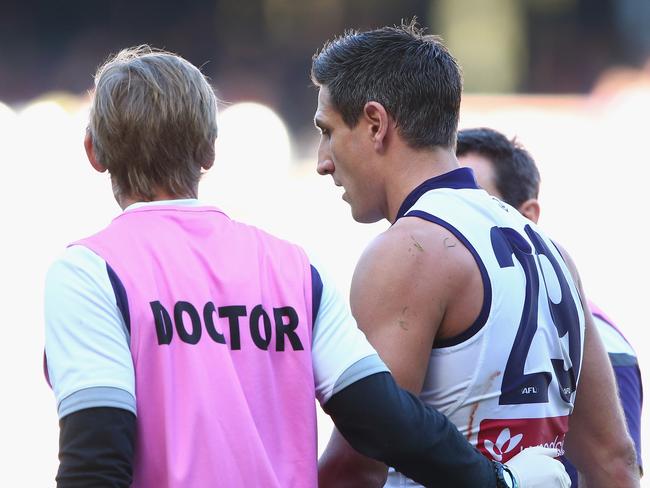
point(221, 325)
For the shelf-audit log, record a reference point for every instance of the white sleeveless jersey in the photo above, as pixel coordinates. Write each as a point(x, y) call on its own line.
point(509, 381)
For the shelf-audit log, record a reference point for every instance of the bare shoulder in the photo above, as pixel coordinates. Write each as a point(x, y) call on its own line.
point(403, 289)
point(413, 257)
point(420, 241)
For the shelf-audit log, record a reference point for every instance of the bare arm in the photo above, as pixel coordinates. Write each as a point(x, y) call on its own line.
point(343, 467)
point(597, 442)
point(397, 300)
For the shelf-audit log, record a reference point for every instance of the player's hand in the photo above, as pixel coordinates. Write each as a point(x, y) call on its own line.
point(534, 467)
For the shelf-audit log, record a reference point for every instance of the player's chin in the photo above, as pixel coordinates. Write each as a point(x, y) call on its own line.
point(365, 216)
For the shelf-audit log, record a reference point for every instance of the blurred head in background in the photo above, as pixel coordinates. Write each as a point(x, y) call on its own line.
point(153, 125)
point(502, 167)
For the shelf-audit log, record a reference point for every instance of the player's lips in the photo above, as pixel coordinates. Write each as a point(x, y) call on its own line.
point(338, 184)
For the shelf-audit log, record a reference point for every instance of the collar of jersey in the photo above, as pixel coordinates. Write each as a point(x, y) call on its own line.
point(182, 202)
point(457, 179)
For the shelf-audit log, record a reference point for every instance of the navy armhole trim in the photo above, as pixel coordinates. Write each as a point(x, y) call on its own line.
point(457, 179)
point(316, 294)
point(487, 286)
point(120, 296)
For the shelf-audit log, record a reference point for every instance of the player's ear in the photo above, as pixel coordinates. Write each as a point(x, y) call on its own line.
point(377, 118)
point(530, 209)
point(90, 153)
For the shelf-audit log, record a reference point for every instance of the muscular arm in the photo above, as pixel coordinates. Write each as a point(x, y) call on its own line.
point(398, 294)
point(597, 442)
point(343, 467)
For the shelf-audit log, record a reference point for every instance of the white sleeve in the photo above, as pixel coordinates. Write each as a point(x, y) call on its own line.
point(341, 354)
point(89, 362)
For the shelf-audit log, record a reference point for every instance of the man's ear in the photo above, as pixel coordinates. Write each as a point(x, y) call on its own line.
point(206, 165)
point(90, 153)
point(530, 209)
point(378, 122)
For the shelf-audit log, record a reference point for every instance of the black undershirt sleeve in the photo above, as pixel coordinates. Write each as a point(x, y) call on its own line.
point(384, 422)
point(96, 448)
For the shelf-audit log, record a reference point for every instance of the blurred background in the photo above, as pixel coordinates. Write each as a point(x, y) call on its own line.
point(569, 78)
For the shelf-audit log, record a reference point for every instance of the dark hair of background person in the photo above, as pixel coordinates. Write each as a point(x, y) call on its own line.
point(516, 175)
point(411, 74)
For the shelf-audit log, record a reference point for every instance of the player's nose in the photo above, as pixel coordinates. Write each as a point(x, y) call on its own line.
point(325, 166)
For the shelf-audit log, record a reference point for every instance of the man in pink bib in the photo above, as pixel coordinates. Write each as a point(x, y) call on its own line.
point(186, 349)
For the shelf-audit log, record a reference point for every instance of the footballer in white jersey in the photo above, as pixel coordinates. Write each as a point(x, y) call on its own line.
point(505, 169)
point(469, 305)
point(509, 381)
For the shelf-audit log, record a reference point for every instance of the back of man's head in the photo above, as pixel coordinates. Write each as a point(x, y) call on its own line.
point(412, 75)
point(516, 175)
point(152, 123)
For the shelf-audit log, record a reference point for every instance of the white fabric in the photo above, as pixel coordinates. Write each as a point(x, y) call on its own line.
point(612, 339)
point(463, 381)
point(185, 202)
point(86, 341)
point(535, 467)
point(338, 345)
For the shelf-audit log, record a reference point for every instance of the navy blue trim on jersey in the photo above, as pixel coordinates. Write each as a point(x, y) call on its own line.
point(120, 296)
point(457, 179)
point(316, 294)
point(487, 286)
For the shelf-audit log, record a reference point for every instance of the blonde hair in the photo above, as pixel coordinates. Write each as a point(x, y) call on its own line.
point(153, 123)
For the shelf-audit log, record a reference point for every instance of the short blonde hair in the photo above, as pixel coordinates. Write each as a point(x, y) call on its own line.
point(153, 122)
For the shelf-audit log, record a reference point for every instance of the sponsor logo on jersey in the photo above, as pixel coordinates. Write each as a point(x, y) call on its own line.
point(503, 445)
point(501, 439)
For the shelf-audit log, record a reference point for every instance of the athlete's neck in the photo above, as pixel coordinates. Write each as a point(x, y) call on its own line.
point(125, 201)
point(411, 170)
